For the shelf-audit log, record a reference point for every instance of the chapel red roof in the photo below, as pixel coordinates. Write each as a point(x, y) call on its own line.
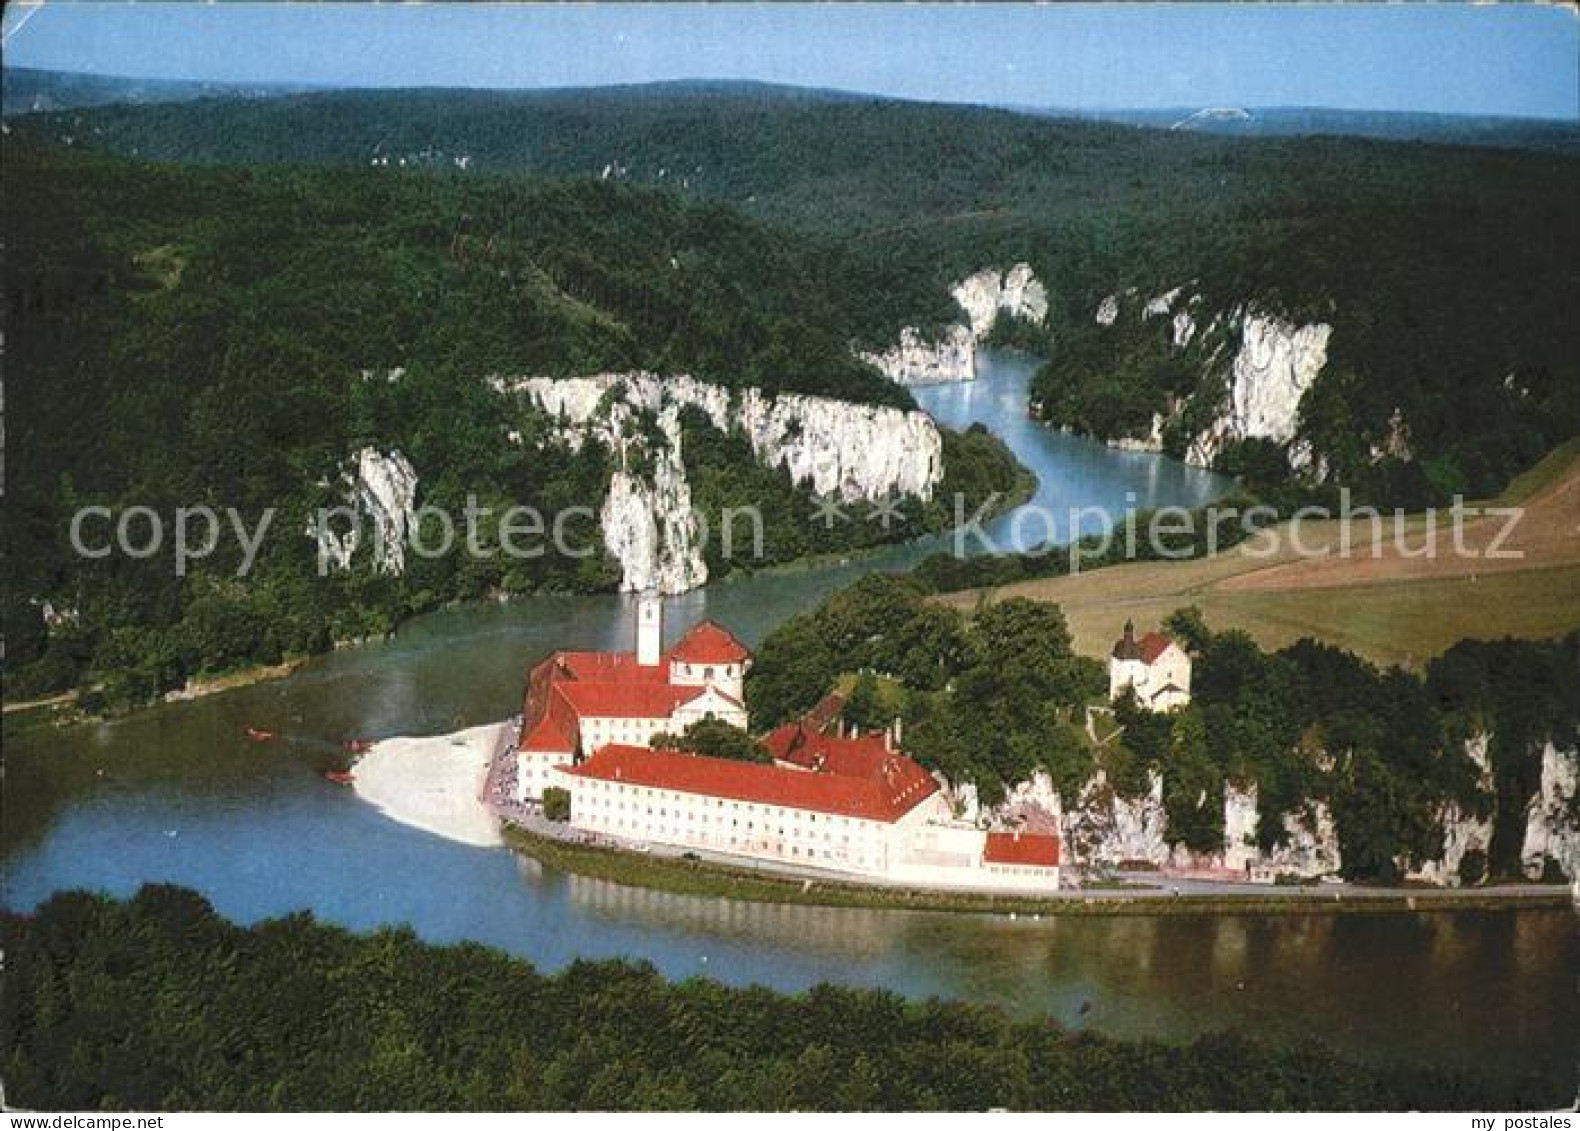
point(709, 643)
point(1152, 646)
point(1038, 849)
point(1147, 649)
point(885, 797)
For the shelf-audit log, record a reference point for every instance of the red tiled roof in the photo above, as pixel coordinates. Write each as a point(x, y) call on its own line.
point(567, 685)
point(1022, 848)
point(800, 745)
point(708, 643)
point(1152, 646)
point(556, 731)
point(886, 797)
point(625, 700)
point(620, 667)
point(822, 716)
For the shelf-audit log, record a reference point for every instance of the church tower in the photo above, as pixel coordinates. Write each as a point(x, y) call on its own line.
point(649, 628)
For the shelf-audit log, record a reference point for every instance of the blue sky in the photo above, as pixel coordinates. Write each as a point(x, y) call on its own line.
point(1505, 58)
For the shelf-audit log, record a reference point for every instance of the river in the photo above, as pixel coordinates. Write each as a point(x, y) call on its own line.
point(175, 794)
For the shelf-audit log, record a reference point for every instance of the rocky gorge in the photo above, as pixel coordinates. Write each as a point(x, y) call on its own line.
point(983, 297)
point(833, 448)
point(1249, 368)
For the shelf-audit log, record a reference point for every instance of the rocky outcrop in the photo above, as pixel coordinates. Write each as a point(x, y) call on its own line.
point(850, 451)
point(1016, 293)
point(1276, 363)
point(1256, 367)
point(1309, 847)
point(1106, 828)
point(916, 361)
point(1552, 827)
point(1464, 831)
point(984, 296)
point(380, 490)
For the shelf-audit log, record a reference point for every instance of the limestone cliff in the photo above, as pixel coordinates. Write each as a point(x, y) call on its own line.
point(834, 448)
point(1104, 828)
point(1255, 368)
point(1464, 831)
point(381, 492)
point(1552, 831)
point(983, 297)
point(1276, 363)
point(915, 361)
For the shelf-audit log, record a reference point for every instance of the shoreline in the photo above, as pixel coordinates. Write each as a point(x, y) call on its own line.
point(433, 783)
point(61, 704)
point(680, 876)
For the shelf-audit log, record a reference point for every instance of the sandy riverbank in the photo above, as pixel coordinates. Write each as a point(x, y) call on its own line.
point(433, 783)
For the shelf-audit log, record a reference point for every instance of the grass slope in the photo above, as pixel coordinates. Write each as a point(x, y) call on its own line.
point(1391, 609)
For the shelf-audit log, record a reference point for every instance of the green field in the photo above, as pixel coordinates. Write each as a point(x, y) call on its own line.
point(1390, 609)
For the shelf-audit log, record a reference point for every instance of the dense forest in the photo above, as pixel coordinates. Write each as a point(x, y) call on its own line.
point(991, 698)
point(226, 329)
point(158, 1004)
point(229, 338)
point(1447, 272)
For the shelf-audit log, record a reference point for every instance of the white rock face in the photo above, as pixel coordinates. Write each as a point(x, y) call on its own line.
point(1108, 311)
point(1276, 364)
point(1160, 304)
point(1463, 832)
point(1240, 816)
point(381, 489)
point(855, 452)
point(916, 361)
point(1311, 843)
point(1552, 831)
point(984, 295)
point(1105, 828)
point(651, 528)
point(1016, 293)
point(1310, 846)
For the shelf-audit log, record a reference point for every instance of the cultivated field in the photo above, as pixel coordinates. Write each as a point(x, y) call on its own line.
point(1378, 598)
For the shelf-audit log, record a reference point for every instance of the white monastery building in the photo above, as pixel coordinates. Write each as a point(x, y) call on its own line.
point(854, 806)
point(577, 702)
point(1156, 667)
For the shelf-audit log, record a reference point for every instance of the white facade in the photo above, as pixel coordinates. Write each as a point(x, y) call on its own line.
point(649, 629)
point(1160, 683)
point(922, 848)
point(601, 730)
point(728, 678)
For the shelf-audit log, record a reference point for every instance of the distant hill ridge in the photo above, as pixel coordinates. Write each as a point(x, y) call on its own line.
point(30, 90)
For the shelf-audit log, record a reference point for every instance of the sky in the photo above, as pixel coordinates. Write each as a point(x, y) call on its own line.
point(1520, 59)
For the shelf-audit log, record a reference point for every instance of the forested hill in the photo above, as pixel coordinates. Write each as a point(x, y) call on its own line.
point(231, 337)
point(1384, 125)
point(25, 90)
point(1447, 274)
